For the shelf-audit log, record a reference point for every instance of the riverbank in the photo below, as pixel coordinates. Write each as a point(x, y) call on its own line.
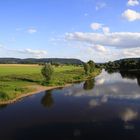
point(38, 89)
point(17, 83)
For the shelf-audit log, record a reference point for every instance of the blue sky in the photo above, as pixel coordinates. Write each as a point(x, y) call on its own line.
point(100, 30)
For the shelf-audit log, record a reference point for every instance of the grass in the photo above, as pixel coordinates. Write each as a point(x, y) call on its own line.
point(18, 79)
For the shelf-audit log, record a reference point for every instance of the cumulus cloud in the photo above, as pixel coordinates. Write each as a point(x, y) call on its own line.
point(106, 30)
point(132, 2)
point(32, 30)
point(134, 52)
point(106, 45)
point(96, 26)
point(116, 39)
point(100, 48)
point(34, 53)
point(131, 15)
point(100, 5)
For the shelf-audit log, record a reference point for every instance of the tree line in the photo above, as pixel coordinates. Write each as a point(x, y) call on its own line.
point(124, 64)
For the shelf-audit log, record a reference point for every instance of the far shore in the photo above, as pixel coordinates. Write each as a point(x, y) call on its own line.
point(38, 89)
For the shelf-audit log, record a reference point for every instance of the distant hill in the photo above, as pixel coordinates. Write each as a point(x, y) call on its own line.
point(39, 61)
point(128, 59)
point(123, 64)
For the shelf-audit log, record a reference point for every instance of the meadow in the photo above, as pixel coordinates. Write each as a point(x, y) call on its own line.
point(18, 79)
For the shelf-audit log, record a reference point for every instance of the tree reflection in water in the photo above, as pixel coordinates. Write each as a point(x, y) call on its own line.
point(47, 100)
point(131, 75)
point(89, 84)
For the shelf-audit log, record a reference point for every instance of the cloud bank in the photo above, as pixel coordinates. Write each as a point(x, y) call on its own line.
point(34, 53)
point(117, 39)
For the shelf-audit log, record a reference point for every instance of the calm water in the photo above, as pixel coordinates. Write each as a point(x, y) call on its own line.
point(107, 107)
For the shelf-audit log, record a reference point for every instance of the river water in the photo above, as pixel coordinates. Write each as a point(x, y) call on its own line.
point(107, 107)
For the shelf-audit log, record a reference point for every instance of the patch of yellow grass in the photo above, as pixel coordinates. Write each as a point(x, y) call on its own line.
point(16, 65)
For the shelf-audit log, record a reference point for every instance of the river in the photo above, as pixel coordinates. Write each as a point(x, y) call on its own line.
point(107, 107)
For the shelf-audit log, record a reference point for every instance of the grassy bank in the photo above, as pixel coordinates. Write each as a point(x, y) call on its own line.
point(16, 80)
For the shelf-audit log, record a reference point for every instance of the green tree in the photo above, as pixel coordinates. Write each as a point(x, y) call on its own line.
point(86, 68)
point(47, 72)
point(92, 65)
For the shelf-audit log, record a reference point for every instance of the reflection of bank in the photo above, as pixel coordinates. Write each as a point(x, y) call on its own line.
point(89, 84)
point(131, 75)
point(3, 106)
point(47, 100)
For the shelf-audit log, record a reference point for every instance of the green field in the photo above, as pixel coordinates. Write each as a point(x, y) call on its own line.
point(18, 79)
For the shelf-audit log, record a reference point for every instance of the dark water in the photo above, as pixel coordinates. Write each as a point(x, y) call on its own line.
point(107, 107)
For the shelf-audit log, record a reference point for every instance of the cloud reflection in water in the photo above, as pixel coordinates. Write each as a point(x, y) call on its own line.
point(109, 86)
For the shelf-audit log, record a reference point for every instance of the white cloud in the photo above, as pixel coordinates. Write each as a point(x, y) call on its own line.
point(32, 30)
point(98, 45)
point(131, 15)
point(132, 2)
point(100, 5)
point(96, 26)
point(34, 53)
point(100, 48)
point(92, 49)
point(133, 52)
point(106, 30)
point(116, 39)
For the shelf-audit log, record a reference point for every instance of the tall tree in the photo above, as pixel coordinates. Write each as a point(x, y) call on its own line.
point(47, 72)
point(86, 68)
point(92, 65)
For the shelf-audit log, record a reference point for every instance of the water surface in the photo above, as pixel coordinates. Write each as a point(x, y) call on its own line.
point(107, 107)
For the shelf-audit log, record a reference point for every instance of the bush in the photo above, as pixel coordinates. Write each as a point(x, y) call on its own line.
point(3, 95)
